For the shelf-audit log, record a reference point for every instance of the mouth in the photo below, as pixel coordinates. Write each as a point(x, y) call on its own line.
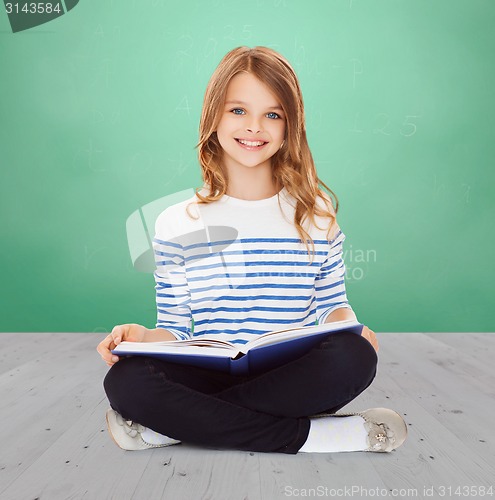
point(251, 145)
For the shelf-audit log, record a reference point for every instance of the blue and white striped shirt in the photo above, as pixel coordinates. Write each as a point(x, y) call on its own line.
point(240, 270)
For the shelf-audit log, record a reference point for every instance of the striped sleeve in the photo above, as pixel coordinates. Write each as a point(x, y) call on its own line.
point(330, 281)
point(172, 291)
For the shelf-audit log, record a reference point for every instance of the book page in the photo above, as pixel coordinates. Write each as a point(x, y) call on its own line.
point(176, 348)
point(199, 341)
point(290, 333)
point(203, 343)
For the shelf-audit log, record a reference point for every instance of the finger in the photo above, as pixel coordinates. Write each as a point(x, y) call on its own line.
point(105, 347)
point(111, 340)
point(109, 356)
point(111, 359)
point(116, 334)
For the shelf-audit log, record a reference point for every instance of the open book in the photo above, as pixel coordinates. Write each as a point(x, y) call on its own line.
point(267, 351)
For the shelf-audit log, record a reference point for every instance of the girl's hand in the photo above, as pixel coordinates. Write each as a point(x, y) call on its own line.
point(370, 336)
point(130, 332)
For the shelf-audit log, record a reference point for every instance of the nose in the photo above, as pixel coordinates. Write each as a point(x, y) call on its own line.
point(254, 127)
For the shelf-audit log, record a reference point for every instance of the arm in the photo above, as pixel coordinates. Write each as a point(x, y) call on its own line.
point(341, 314)
point(345, 314)
point(158, 335)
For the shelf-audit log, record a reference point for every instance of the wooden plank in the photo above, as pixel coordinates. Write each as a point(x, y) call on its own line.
point(54, 357)
point(18, 348)
point(283, 476)
point(40, 400)
point(450, 399)
point(479, 347)
point(469, 358)
point(194, 472)
point(81, 463)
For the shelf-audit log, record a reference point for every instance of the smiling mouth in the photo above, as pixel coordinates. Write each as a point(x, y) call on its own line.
point(251, 144)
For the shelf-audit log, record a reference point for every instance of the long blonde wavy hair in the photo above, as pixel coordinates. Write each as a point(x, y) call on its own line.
point(292, 166)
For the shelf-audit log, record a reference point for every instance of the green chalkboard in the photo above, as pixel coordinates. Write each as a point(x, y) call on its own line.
point(99, 111)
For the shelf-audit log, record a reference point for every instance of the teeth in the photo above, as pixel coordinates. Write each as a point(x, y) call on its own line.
point(249, 143)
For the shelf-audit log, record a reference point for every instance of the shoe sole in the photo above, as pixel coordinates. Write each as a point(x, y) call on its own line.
point(111, 413)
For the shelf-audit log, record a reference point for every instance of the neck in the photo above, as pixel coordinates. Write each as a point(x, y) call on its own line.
point(252, 184)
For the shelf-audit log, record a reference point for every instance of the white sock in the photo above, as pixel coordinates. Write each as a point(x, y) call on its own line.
point(333, 434)
point(152, 437)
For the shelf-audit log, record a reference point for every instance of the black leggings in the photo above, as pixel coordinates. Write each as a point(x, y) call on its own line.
point(266, 413)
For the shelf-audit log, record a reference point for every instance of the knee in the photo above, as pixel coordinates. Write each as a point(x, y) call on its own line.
point(352, 352)
point(121, 377)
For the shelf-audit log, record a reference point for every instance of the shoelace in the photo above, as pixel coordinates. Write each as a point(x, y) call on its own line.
point(130, 427)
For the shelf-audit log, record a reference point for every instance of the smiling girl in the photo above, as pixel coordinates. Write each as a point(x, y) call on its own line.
point(283, 268)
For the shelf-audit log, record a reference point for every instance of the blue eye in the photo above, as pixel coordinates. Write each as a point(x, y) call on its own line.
point(273, 115)
point(237, 109)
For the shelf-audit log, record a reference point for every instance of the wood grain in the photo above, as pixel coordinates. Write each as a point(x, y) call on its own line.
point(55, 444)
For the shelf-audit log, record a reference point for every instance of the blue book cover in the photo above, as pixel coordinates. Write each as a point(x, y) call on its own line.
point(268, 351)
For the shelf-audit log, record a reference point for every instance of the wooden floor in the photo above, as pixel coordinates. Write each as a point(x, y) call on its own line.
point(54, 443)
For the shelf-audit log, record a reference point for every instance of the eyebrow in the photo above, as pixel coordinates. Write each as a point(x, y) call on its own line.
point(244, 104)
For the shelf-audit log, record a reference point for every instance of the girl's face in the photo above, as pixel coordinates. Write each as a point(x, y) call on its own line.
point(252, 125)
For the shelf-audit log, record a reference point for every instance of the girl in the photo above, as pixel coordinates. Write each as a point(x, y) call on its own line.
point(258, 248)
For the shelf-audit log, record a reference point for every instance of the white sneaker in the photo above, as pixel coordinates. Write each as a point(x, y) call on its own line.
point(128, 435)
